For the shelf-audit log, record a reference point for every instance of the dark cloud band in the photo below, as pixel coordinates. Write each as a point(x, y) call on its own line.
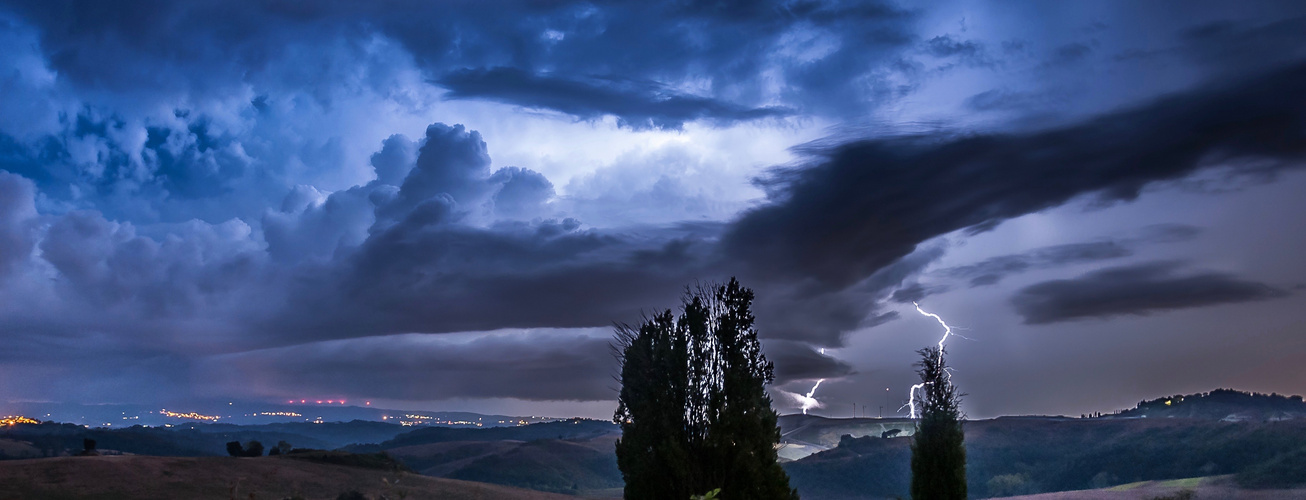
point(1134, 290)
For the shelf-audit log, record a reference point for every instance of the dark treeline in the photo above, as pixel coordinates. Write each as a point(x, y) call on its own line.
point(54, 439)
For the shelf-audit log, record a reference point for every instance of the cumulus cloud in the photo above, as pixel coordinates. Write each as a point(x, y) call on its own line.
point(1138, 289)
point(237, 186)
point(17, 214)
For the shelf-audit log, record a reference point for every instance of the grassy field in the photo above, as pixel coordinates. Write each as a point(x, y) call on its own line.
point(1201, 488)
point(151, 478)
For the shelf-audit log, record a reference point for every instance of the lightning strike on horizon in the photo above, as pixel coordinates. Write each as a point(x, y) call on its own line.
point(808, 401)
point(911, 393)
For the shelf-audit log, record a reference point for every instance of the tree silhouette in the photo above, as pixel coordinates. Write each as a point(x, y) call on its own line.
point(693, 406)
point(938, 455)
point(235, 449)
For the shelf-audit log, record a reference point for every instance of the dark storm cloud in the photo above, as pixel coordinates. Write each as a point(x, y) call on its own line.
point(1168, 233)
point(1003, 99)
point(168, 45)
point(149, 132)
point(1134, 290)
point(1244, 45)
point(969, 52)
point(1069, 54)
point(991, 271)
point(540, 365)
point(799, 361)
point(862, 205)
point(429, 263)
point(635, 104)
point(914, 292)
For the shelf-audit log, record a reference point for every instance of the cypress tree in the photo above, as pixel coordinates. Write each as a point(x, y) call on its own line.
point(748, 429)
point(653, 450)
point(693, 408)
point(938, 454)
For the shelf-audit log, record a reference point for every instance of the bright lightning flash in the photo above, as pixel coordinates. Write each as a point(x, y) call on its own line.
point(808, 402)
point(947, 332)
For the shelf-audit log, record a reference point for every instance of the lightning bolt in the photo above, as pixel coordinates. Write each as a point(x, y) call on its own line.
point(808, 401)
point(947, 332)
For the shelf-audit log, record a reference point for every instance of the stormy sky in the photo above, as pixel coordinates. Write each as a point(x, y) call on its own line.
point(448, 204)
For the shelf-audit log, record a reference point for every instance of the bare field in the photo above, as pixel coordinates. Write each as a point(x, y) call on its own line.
point(1212, 488)
point(150, 478)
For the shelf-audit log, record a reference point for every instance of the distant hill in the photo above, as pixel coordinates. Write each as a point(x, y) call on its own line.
point(575, 457)
point(802, 435)
point(250, 413)
point(1221, 404)
point(53, 440)
point(578, 428)
point(1213, 487)
point(1253, 440)
point(329, 435)
point(168, 478)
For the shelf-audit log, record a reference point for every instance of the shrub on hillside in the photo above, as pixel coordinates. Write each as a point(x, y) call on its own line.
point(1284, 471)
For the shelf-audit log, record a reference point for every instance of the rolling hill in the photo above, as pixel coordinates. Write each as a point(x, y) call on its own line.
point(574, 457)
point(1024, 455)
point(168, 478)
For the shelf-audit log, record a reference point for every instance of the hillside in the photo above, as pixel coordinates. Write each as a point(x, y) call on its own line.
point(325, 435)
point(1009, 456)
point(1200, 488)
point(53, 440)
point(567, 457)
point(802, 435)
point(1220, 404)
point(578, 428)
point(168, 478)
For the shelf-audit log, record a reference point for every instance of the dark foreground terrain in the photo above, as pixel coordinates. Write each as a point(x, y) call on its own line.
point(168, 478)
point(1222, 444)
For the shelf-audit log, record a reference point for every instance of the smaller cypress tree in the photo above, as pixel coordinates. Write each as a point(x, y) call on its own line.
point(938, 453)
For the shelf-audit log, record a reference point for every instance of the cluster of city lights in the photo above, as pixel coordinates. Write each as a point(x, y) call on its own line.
point(425, 420)
point(321, 402)
point(11, 420)
point(280, 414)
point(190, 415)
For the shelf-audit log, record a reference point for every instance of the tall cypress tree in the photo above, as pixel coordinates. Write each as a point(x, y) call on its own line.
point(938, 454)
point(653, 452)
point(693, 408)
point(748, 423)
